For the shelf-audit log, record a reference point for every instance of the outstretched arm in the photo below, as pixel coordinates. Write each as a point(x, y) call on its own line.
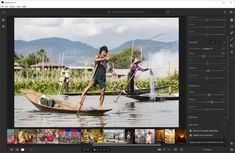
point(98, 58)
point(142, 69)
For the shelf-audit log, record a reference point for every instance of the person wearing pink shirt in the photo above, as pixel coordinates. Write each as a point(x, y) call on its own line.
point(131, 75)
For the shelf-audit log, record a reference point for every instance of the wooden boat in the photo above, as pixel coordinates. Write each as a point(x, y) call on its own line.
point(147, 98)
point(60, 106)
point(137, 92)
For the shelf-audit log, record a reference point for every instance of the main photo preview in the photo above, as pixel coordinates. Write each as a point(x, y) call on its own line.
point(96, 80)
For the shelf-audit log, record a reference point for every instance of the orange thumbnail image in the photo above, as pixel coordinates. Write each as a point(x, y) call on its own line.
point(92, 136)
point(25, 136)
point(160, 136)
point(180, 136)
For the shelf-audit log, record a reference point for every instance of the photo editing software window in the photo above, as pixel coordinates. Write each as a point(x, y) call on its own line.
point(117, 79)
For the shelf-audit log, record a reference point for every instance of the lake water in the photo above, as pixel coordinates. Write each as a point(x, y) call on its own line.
point(126, 113)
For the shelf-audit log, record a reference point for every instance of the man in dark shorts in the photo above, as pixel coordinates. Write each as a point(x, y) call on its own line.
point(99, 76)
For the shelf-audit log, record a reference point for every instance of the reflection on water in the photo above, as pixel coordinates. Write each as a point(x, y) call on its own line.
point(130, 106)
point(152, 86)
point(126, 113)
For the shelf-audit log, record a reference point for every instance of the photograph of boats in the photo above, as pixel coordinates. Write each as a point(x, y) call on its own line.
point(96, 72)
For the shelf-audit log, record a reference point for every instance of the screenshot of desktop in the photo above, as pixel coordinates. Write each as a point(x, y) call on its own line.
point(113, 79)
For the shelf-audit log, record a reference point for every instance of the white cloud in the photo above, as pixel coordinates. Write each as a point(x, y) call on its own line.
point(97, 31)
point(40, 22)
point(121, 29)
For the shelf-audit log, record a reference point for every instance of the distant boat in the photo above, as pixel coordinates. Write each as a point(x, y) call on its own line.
point(143, 98)
point(59, 106)
point(137, 92)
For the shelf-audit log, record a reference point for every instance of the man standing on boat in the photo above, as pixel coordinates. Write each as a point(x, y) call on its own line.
point(134, 67)
point(66, 79)
point(99, 76)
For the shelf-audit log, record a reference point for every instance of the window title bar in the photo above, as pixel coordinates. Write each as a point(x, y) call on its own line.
point(117, 4)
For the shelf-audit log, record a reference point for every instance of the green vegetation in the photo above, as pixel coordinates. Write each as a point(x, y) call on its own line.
point(48, 82)
point(31, 58)
point(121, 59)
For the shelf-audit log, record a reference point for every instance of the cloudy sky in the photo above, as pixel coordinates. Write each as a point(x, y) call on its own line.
point(97, 31)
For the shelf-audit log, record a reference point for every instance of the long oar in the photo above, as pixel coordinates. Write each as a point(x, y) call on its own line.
point(93, 73)
point(125, 86)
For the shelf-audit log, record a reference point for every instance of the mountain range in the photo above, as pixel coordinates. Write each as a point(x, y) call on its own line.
point(78, 53)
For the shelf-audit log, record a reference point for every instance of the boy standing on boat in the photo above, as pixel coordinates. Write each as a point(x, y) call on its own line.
point(66, 79)
point(99, 76)
point(134, 67)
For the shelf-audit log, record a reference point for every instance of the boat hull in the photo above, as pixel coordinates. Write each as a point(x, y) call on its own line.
point(60, 106)
point(147, 98)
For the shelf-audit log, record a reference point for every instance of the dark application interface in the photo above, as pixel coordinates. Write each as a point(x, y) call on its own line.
point(117, 80)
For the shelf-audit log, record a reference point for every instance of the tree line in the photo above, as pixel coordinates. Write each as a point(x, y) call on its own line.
point(124, 58)
point(121, 60)
point(31, 59)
